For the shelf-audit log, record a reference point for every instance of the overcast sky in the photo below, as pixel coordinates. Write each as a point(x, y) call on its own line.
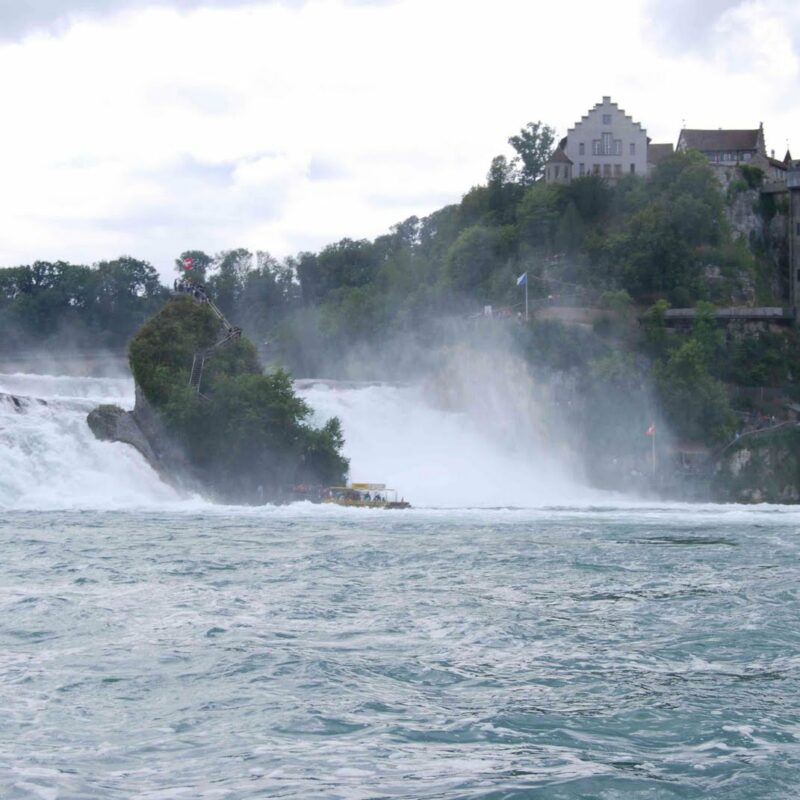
point(149, 127)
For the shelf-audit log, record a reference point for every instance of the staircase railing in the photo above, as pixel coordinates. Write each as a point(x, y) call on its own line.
point(228, 332)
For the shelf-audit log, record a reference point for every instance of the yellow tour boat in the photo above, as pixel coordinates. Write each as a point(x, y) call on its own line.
point(364, 495)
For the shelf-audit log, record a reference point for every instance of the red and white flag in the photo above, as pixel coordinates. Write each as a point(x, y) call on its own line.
point(651, 431)
point(188, 262)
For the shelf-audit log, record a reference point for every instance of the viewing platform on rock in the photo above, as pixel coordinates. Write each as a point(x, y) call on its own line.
point(775, 314)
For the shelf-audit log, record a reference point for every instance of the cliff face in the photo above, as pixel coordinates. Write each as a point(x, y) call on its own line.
point(744, 217)
point(142, 429)
point(761, 222)
point(762, 469)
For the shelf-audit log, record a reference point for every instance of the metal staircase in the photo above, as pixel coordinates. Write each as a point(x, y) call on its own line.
point(197, 370)
point(227, 332)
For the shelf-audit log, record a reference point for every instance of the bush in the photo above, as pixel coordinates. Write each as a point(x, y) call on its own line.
point(753, 176)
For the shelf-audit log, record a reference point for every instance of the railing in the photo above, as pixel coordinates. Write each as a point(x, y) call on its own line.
point(229, 332)
point(741, 312)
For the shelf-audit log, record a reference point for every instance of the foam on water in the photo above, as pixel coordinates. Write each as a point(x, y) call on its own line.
point(50, 457)
point(432, 455)
point(576, 647)
point(307, 652)
point(441, 457)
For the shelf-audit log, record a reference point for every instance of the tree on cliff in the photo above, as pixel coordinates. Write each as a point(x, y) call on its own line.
point(533, 144)
point(247, 435)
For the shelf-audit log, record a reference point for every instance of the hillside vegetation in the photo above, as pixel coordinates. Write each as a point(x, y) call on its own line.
point(395, 306)
point(247, 436)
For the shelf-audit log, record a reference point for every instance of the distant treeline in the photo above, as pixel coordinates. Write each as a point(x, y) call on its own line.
point(625, 247)
point(76, 306)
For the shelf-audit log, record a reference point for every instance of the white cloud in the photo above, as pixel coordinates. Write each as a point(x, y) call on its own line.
point(285, 126)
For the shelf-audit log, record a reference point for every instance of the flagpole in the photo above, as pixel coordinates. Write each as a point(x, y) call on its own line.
point(654, 451)
point(526, 298)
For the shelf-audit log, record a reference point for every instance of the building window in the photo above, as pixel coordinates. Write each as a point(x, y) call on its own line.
point(606, 170)
point(557, 171)
point(606, 119)
point(581, 170)
point(606, 146)
point(747, 156)
point(633, 169)
point(595, 169)
point(581, 149)
point(617, 170)
point(633, 148)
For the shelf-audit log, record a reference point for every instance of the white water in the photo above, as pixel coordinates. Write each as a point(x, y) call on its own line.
point(50, 458)
point(439, 457)
point(396, 435)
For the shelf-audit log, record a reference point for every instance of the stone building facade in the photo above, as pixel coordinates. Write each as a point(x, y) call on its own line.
point(793, 186)
point(606, 142)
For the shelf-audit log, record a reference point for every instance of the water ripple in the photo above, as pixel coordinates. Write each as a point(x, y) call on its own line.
point(492, 654)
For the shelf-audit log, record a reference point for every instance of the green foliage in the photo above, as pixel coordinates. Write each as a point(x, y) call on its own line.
point(75, 305)
point(694, 403)
point(471, 259)
point(753, 176)
point(706, 332)
point(592, 196)
point(655, 339)
point(761, 358)
point(200, 264)
point(552, 344)
point(538, 215)
point(533, 145)
point(767, 206)
point(247, 435)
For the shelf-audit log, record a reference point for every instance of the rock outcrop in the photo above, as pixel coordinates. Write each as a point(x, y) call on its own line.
point(763, 468)
point(142, 429)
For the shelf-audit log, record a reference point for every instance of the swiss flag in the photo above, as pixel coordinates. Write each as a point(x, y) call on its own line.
point(188, 262)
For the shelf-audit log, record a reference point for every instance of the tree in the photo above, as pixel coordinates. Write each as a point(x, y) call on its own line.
point(537, 215)
point(694, 403)
point(471, 258)
point(200, 263)
point(247, 437)
point(500, 172)
point(533, 145)
point(230, 273)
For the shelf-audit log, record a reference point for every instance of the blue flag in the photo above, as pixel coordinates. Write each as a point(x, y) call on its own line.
point(523, 279)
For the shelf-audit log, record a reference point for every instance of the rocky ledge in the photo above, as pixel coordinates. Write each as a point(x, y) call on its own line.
point(142, 429)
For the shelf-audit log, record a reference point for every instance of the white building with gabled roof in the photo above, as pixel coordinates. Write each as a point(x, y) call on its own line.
point(606, 142)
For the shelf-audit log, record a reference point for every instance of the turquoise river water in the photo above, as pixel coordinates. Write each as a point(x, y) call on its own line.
point(158, 647)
